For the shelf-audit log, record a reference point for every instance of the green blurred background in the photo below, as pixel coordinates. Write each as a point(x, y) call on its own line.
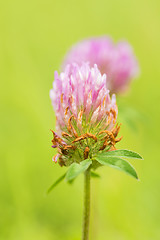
point(34, 38)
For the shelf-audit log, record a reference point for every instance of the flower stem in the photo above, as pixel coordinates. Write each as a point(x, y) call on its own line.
point(86, 215)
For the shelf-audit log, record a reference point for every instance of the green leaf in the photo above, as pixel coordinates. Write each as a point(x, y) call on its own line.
point(75, 169)
point(119, 164)
point(95, 175)
point(56, 183)
point(120, 153)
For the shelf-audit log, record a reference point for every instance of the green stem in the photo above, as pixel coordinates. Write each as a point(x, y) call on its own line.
point(86, 205)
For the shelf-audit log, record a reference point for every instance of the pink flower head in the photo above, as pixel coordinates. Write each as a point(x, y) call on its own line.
point(84, 112)
point(116, 60)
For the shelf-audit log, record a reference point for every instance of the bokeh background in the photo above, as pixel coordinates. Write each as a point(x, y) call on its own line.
point(35, 35)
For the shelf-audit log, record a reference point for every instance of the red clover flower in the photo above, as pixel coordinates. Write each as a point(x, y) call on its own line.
point(116, 60)
point(85, 114)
